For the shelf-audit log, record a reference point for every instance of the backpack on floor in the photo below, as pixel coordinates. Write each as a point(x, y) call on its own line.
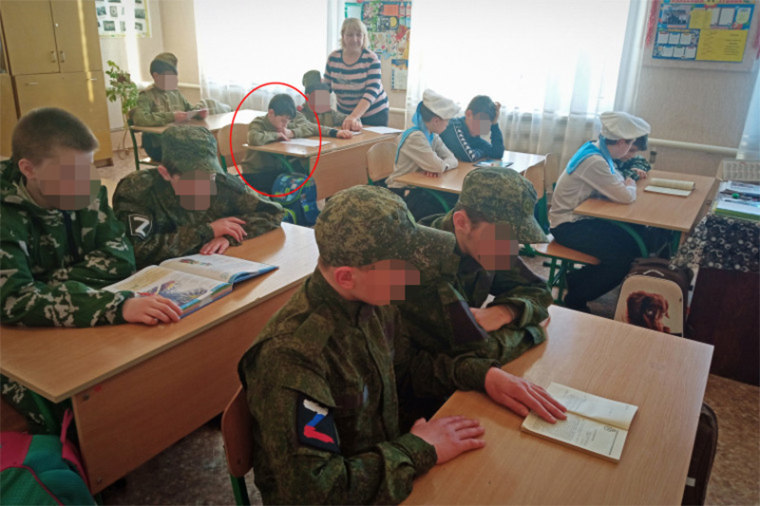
point(654, 296)
point(302, 205)
point(42, 469)
point(702, 457)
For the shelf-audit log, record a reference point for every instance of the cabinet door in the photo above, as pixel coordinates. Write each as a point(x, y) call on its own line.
point(29, 36)
point(81, 93)
point(8, 117)
point(76, 35)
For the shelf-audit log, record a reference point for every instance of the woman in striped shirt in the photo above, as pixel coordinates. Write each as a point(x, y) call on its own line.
point(353, 73)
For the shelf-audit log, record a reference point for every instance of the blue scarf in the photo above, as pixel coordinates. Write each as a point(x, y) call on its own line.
point(591, 149)
point(419, 125)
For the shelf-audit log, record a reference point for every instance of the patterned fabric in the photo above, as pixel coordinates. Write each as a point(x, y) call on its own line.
point(625, 167)
point(361, 80)
point(469, 148)
point(188, 148)
point(722, 242)
point(156, 107)
point(331, 118)
point(54, 264)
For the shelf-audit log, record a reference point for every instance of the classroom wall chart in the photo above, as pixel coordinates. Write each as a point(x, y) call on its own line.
point(119, 18)
point(708, 31)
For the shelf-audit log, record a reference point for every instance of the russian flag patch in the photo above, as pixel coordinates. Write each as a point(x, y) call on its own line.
point(316, 426)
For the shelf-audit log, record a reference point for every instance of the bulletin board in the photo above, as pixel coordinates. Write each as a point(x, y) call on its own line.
point(119, 18)
point(388, 28)
point(710, 32)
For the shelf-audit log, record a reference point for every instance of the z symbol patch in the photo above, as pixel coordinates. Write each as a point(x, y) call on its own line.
point(139, 225)
point(316, 426)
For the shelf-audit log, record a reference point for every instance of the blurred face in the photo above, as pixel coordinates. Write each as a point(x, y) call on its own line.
point(193, 188)
point(493, 245)
point(382, 282)
point(66, 180)
point(477, 124)
point(319, 100)
point(631, 152)
point(168, 81)
point(353, 40)
point(620, 148)
point(279, 122)
point(437, 125)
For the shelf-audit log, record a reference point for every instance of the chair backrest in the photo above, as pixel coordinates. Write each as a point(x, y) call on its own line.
point(380, 158)
point(537, 176)
point(239, 137)
point(237, 424)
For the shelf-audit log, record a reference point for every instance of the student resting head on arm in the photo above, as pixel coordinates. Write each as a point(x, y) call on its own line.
point(463, 134)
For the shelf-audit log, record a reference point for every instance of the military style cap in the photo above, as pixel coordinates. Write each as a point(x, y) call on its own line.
point(187, 148)
point(440, 105)
point(503, 195)
point(366, 224)
point(621, 125)
point(312, 80)
point(164, 60)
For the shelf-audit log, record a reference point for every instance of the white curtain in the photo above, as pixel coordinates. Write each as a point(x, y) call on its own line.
point(245, 43)
point(552, 64)
point(749, 147)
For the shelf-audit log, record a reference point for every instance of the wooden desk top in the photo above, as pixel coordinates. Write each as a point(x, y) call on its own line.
point(214, 122)
point(655, 209)
point(60, 362)
point(451, 181)
point(329, 144)
point(665, 376)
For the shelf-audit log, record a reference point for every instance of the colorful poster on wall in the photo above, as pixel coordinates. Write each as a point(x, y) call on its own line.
point(387, 23)
point(703, 31)
point(399, 70)
point(119, 18)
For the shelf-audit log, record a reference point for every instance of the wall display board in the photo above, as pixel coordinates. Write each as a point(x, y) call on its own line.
point(119, 18)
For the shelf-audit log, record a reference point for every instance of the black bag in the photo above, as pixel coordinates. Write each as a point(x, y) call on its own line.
point(702, 457)
point(654, 295)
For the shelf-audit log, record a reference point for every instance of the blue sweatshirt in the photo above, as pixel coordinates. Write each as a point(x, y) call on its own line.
point(469, 148)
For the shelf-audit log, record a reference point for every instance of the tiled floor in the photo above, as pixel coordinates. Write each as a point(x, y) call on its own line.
point(193, 471)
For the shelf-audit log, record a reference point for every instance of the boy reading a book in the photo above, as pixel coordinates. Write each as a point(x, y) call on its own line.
point(421, 148)
point(591, 173)
point(320, 378)
point(162, 103)
point(188, 204)
point(61, 243)
point(281, 123)
point(463, 134)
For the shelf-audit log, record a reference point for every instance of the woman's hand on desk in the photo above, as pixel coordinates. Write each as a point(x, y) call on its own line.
point(150, 310)
point(451, 435)
point(522, 396)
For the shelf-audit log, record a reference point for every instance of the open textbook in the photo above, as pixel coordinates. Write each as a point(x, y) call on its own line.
point(191, 281)
point(594, 424)
point(670, 186)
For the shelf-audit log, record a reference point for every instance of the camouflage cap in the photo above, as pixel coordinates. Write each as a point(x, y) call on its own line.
point(312, 80)
point(185, 148)
point(503, 195)
point(366, 224)
point(164, 60)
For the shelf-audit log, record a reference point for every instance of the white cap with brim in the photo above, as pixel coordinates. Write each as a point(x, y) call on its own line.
point(621, 125)
point(440, 105)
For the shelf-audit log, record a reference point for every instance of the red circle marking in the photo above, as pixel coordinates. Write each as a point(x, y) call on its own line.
point(232, 151)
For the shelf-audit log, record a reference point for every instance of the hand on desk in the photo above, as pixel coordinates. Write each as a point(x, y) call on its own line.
point(344, 134)
point(216, 245)
point(351, 123)
point(451, 435)
point(180, 116)
point(285, 134)
point(201, 114)
point(430, 174)
point(150, 310)
point(493, 317)
point(522, 396)
point(229, 226)
point(641, 173)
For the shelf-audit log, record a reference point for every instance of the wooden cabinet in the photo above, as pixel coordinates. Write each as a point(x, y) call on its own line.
point(8, 116)
point(53, 51)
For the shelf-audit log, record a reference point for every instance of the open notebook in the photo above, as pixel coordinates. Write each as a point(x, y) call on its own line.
point(670, 186)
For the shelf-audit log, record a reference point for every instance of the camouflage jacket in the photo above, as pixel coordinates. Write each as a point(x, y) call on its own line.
point(54, 264)
point(331, 118)
point(156, 107)
point(161, 228)
point(261, 132)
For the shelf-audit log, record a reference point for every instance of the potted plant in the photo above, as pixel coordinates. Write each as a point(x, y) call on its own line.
point(121, 88)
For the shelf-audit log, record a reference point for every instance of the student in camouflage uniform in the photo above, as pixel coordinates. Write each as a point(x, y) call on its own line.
point(319, 102)
point(162, 103)
point(61, 243)
point(320, 377)
point(281, 123)
point(188, 204)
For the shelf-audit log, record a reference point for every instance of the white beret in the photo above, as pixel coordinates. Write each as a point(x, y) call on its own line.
point(440, 105)
point(621, 125)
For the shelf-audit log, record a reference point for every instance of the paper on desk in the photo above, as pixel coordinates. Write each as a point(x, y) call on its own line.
point(309, 143)
point(382, 129)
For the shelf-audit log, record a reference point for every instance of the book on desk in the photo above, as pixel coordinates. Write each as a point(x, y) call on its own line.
point(594, 424)
point(502, 164)
point(677, 187)
point(739, 200)
point(192, 281)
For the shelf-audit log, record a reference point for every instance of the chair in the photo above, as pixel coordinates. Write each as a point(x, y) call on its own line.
point(238, 444)
point(136, 148)
point(561, 258)
point(239, 138)
point(380, 159)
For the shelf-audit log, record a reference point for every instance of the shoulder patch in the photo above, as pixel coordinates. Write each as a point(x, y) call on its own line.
point(140, 225)
point(316, 425)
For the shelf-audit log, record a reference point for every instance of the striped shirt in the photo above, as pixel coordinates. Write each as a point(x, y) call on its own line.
point(357, 81)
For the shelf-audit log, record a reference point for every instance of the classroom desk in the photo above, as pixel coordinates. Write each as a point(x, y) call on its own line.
point(135, 389)
point(213, 122)
point(342, 162)
point(669, 212)
point(664, 375)
point(451, 180)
